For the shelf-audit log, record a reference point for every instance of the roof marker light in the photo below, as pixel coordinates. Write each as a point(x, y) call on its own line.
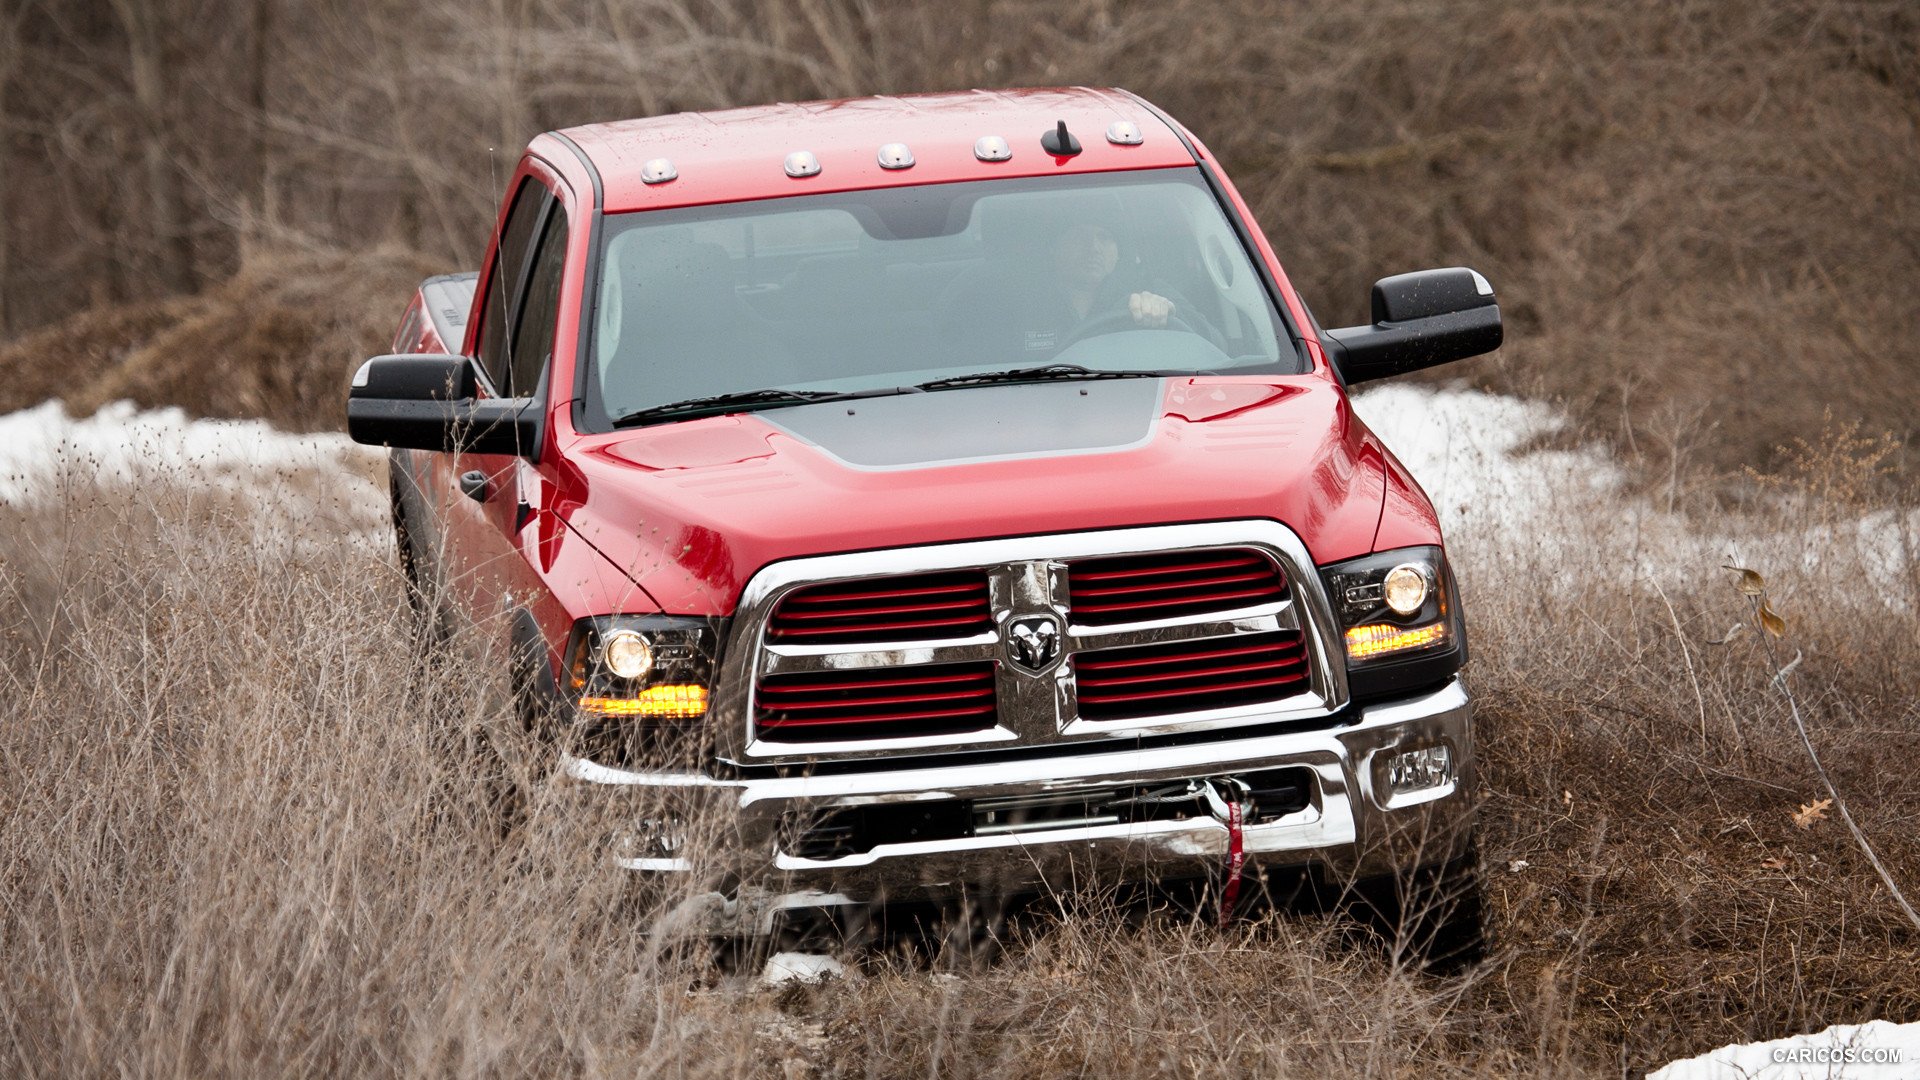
point(657, 171)
point(802, 163)
point(896, 156)
point(992, 148)
point(1124, 133)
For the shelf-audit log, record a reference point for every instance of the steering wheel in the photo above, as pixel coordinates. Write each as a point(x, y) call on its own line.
point(1113, 322)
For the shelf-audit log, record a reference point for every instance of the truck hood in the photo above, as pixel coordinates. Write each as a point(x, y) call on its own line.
point(690, 511)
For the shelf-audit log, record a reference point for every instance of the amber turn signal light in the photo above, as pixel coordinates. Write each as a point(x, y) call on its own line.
point(672, 701)
point(1383, 639)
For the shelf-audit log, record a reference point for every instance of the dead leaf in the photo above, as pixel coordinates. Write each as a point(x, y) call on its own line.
point(1770, 622)
point(1811, 812)
point(1750, 583)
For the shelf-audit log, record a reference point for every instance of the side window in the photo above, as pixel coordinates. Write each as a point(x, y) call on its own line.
point(533, 333)
point(503, 284)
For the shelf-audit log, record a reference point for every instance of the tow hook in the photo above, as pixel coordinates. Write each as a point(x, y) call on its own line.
point(1216, 794)
point(1226, 797)
point(1223, 793)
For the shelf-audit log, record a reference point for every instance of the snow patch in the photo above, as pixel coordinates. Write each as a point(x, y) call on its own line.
point(1514, 507)
point(1879, 1049)
point(307, 486)
point(789, 967)
point(1470, 452)
point(42, 446)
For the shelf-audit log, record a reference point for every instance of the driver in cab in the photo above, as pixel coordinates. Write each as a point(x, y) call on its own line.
point(1071, 288)
point(1085, 256)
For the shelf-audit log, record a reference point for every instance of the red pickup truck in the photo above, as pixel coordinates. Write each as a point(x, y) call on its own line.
point(952, 494)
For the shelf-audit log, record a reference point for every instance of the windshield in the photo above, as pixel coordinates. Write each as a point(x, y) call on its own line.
point(892, 288)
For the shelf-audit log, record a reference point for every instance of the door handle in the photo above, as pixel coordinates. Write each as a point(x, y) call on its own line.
point(474, 485)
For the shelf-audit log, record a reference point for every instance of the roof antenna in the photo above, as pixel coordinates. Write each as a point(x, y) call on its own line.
point(1060, 142)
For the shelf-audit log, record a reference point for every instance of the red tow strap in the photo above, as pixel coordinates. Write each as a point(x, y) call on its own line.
point(1236, 861)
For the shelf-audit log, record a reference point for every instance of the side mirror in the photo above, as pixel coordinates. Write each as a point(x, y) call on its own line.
point(1419, 320)
point(428, 402)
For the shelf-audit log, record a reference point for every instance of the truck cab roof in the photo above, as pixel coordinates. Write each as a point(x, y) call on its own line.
point(738, 154)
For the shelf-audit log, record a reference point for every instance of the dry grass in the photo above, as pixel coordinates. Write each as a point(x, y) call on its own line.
point(243, 832)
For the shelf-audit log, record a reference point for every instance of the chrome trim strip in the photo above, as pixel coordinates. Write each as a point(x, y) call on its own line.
point(1027, 576)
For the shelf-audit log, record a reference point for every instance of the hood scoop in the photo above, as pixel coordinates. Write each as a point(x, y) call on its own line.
point(986, 423)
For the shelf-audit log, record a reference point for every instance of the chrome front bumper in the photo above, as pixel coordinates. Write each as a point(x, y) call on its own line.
point(1352, 826)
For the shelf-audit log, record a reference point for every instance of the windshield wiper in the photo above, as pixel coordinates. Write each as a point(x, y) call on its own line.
point(1047, 373)
point(744, 400)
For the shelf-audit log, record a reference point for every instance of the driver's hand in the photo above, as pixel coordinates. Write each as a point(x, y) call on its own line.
point(1149, 309)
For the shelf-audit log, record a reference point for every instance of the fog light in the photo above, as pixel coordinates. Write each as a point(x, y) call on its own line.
point(627, 655)
point(1418, 770)
point(650, 841)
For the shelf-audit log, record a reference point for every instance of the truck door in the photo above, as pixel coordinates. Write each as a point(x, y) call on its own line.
point(480, 495)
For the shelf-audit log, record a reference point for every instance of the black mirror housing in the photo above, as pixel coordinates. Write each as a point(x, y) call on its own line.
point(1421, 319)
point(431, 402)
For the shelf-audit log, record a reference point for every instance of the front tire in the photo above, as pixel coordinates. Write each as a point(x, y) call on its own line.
point(1435, 915)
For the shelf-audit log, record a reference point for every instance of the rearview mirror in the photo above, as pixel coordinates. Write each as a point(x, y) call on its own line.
point(429, 402)
point(1419, 320)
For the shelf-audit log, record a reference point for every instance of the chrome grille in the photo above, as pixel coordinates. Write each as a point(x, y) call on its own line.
point(1050, 639)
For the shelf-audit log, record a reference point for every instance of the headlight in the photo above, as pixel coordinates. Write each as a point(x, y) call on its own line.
point(1406, 586)
point(627, 654)
point(1393, 605)
point(642, 667)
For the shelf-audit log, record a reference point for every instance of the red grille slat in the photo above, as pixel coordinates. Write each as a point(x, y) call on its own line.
point(900, 630)
point(1217, 599)
point(1091, 570)
point(876, 684)
point(1253, 573)
point(1184, 691)
point(873, 703)
point(1188, 676)
point(876, 718)
point(803, 597)
point(884, 699)
point(912, 607)
point(1131, 588)
point(895, 610)
point(884, 613)
point(1096, 683)
point(1106, 662)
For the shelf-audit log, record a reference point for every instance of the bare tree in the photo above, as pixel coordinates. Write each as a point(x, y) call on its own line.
point(12, 56)
point(153, 98)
